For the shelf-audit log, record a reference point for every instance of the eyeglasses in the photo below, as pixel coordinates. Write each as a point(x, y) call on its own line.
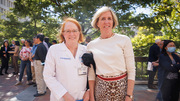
point(69, 31)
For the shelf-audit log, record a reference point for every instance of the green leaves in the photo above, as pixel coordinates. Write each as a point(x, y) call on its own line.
point(45, 17)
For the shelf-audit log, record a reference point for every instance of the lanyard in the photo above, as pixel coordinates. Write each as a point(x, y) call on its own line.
point(6, 49)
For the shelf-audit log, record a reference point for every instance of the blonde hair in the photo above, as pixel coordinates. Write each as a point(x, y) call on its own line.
point(81, 38)
point(98, 13)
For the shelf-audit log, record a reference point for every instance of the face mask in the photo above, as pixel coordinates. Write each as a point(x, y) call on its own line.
point(171, 49)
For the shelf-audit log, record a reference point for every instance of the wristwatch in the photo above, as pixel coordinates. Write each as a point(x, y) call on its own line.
point(130, 96)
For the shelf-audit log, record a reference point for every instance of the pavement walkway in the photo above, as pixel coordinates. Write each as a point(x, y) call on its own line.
point(24, 92)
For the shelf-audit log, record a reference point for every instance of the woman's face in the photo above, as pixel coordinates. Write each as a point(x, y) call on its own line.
point(71, 32)
point(170, 45)
point(105, 22)
point(6, 44)
point(26, 43)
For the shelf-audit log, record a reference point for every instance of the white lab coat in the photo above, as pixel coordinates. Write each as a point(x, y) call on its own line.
point(61, 72)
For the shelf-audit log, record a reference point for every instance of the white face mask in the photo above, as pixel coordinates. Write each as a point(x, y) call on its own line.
point(171, 49)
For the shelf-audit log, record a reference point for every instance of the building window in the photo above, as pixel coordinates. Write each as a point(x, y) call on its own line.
point(2, 2)
point(7, 3)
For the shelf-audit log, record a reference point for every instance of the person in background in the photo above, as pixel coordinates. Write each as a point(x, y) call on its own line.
point(25, 62)
point(44, 43)
point(170, 64)
point(88, 39)
point(15, 57)
point(5, 57)
point(12, 47)
point(23, 42)
point(154, 53)
point(114, 58)
point(39, 60)
point(159, 73)
point(64, 73)
point(54, 42)
point(31, 58)
point(46, 39)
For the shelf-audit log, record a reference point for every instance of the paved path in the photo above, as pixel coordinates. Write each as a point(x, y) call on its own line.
point(9, 92)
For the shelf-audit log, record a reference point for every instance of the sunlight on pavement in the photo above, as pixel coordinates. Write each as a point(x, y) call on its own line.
point(7, 78)
point(10, 75)
point(14, 99)
point(9, 93)
point(150, 90)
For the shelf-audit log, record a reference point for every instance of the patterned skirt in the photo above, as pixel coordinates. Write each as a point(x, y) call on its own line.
point(111, 88)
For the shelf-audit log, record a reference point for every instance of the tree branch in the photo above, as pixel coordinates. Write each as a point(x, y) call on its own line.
point(54, 1)
point(93, 33)
point(87, 30)
point(169, 25)
point(177, 10)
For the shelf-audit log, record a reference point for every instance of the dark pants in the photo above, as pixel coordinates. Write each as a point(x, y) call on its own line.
point(15, 64)
point(160, 80)
point(169, 90)
point(4, 65)
point(26, 64)
point(151, 76)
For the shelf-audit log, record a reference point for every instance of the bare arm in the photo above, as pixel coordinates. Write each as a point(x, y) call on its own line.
point(155, 64)
point(15, 50)
point(86, 96)
point(11, 51)
point(91, 89)
point(130, 88)
point(68, 97)
point(30, 57)
point(91, 79)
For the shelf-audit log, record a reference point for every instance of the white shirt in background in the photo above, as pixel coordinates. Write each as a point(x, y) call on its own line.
point(45, 44)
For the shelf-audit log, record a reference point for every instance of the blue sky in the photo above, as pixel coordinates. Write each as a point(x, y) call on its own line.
point(143, 10)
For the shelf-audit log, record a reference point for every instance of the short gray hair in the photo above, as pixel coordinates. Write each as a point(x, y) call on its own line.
point(98, 14)
point(157, 40)
point(22, 39)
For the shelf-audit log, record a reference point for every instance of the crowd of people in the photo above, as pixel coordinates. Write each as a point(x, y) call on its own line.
point(32, 56)
point(98, 70)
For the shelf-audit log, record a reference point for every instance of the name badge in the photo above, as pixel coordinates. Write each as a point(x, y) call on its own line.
point(82, 70)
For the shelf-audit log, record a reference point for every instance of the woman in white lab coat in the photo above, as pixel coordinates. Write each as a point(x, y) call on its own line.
point(64, 73)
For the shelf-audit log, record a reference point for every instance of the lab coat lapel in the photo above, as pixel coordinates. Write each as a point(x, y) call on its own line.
point(67, 51)
point(79, 52)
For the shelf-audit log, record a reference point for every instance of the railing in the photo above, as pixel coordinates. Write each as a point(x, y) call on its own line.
point(141, 68)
